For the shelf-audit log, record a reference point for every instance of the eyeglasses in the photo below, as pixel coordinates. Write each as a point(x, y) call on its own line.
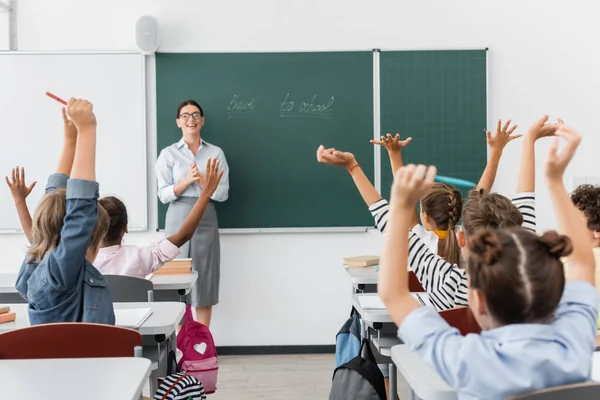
point(186, 116)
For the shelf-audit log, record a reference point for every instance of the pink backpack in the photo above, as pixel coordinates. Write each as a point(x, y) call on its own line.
point(199, 352)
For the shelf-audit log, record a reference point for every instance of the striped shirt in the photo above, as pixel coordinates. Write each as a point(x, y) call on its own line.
point(446, 283)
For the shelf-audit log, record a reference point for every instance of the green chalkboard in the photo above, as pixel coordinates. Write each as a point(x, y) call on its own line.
point(438, 98)
point(269, 112)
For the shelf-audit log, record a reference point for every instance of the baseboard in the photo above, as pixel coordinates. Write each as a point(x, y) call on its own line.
point(268, 350)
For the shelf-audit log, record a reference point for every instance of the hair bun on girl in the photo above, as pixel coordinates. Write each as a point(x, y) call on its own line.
point(485, 247)
point(558, 245)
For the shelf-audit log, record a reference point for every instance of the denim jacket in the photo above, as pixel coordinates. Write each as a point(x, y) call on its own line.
point(64, 286)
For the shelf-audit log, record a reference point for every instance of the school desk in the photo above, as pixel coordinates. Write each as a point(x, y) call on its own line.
point(163, 321)
point(361, 277)
point(181, 283)
point(424, 382)
point(74, 378)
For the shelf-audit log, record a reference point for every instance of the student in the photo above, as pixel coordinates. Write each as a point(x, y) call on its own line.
point(587, 200)
point(446, 283)
point(57, 278)
point(443, 281)
point(118, 259)
point(538, 332)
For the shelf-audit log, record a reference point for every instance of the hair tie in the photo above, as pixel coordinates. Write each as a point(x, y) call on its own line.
point(441, 234)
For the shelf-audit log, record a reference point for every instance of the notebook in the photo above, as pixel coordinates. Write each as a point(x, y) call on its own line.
point(361, 261)
point(131, 317)
point(375, 302)
point(4, 309)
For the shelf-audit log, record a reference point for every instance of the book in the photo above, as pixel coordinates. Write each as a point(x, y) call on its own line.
point(7, 317)
point(361, 261)
point(177, 266)
point(131, 317)
point(4, 309)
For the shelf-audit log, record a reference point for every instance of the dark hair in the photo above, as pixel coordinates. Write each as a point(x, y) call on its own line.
point(117, 213)
point(189, 103)
point(485, 210)
point(587, 199)
point(519, 273)
point(443, 204)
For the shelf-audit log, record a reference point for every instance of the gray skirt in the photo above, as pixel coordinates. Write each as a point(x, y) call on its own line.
point(204, 249)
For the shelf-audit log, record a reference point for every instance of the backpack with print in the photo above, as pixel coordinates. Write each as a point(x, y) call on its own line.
point(199, 354)
point(180, 387)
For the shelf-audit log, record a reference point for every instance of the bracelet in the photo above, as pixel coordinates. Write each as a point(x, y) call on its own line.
point(352, 167)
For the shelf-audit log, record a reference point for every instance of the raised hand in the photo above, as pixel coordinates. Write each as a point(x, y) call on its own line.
point(392, 143)
point(334, 157)
point(17, 186)
point(69, 127)
point(210, 181)
point(502, 136)
point(542, 129)
point(81, 113)
point(411, 183)
point(557, 161)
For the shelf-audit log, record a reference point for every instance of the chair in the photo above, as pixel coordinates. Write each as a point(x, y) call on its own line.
point(70, 340)
point(128, 289)
point(413, 283)
point(577, 391)
point(461, 318)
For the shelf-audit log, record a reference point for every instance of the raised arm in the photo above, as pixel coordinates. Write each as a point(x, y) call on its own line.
point(581, 263)
point(20, 191)
point(65, 162)
point(394, 147)
point(539, 129)
point(496, 143)
point(346, 160)
point(211, 182)
point(410, 183)
point(82, 201)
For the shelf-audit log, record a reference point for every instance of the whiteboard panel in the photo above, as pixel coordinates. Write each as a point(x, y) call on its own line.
point(31, 127)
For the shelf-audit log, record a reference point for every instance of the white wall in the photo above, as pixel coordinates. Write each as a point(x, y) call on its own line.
point(290, 289)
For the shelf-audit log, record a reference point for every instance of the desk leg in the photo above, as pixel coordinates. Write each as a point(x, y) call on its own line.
point(393, 382)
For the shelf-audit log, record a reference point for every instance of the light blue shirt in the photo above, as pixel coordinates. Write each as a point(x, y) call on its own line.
point(173, 165)
point(513, 359)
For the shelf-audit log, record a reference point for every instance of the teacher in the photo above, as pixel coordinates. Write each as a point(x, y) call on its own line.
point(180, 170)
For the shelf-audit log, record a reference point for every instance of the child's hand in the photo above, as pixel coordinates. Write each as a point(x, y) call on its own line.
point(502, 137)
point(69, 127)
point(393, 144)
point(18, 188)
point(335, 157)
point(81, 113)
point(541, 129)
point(210, 181)
point(411, 183)
point(558, 161)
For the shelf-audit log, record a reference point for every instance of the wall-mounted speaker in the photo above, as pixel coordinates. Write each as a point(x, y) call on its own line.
point(147, 34)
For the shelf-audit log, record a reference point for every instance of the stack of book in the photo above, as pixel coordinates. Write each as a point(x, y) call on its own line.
point(6, 315)
point(177, 266)
point(362, 262)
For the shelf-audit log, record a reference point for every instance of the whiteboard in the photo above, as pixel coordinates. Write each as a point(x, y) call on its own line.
point(31, 127)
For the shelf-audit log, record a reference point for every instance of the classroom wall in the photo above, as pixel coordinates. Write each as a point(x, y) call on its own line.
point(290, 289)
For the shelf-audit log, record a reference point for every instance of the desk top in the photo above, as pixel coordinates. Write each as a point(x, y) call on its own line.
point(174, 281)
point(423, 380)
point(89, 378)
point(163, 321)
point(361, 276)
point(370, 316)
point(7, 283)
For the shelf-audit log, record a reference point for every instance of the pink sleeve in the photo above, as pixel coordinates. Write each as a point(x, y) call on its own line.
point(153, 257)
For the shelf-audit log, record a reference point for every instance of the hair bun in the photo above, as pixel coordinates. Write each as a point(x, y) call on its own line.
point(485, 247)
point(558, 245)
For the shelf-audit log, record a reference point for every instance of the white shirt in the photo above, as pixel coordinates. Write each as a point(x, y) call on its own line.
point(133, 260)
point(173, 165)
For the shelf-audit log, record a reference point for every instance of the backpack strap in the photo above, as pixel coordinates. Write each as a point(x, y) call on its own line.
point(172, 386)
point(368, 353)
point(187, 317)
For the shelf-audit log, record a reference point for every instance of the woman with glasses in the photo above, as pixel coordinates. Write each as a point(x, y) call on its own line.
point(180, 174)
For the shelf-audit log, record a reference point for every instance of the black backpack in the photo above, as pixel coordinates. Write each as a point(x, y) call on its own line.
point(359, 378)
